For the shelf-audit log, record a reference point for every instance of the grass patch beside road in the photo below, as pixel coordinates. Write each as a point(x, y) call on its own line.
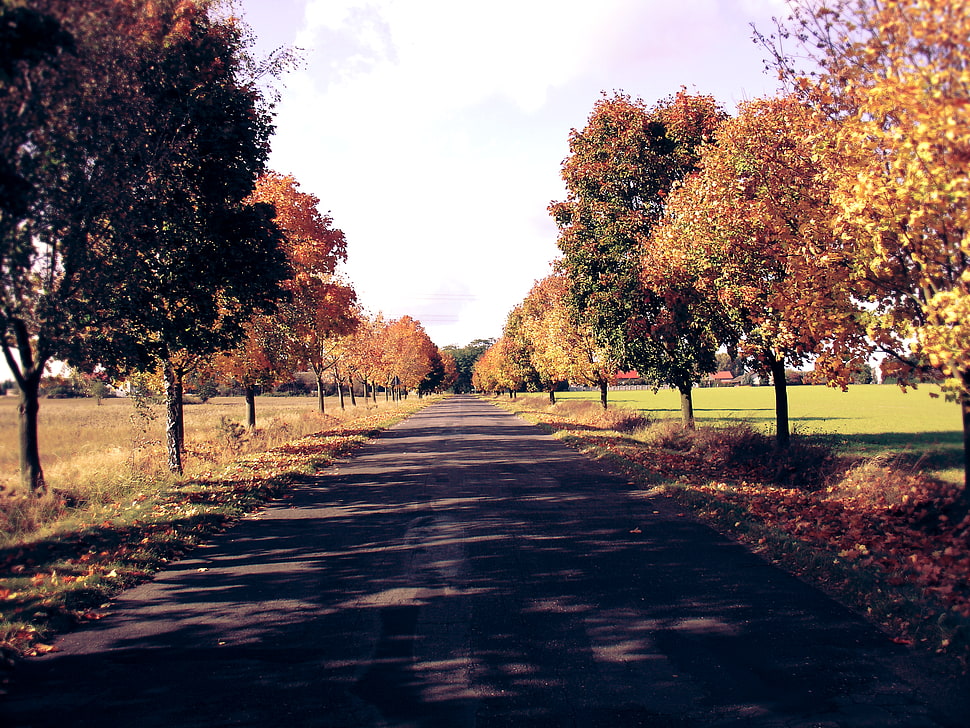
point(868, 420)
point(867, 531)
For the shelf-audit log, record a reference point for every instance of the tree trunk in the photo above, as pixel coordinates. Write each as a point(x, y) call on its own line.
point(320, 395)
point(353, 397)
point(340, 391)
point(964, 502)
point(687, 407)
point(27, 373)
point(782, 430)
point(31, 473)
point(251, 406)
point(173, 418)
point(604, 391)
point(552, 396)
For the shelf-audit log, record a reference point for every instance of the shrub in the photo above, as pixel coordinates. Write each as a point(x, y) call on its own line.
point(591, 414)
point(668, 435)
point(805, 464)
point(739, 444)
point(62, 391)
point(890, 483)
point(627, 421)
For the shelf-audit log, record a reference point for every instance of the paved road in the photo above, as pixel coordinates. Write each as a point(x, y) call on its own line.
point(467, 570)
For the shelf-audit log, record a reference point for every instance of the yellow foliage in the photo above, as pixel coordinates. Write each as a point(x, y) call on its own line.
point(897, 77)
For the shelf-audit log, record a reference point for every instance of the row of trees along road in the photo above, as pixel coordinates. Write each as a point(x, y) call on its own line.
point(139, 228)
point(822, 226)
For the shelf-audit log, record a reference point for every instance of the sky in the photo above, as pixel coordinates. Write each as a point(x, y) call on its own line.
point(433, 131)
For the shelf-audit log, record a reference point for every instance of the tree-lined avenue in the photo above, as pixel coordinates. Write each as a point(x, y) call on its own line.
point(467, 569)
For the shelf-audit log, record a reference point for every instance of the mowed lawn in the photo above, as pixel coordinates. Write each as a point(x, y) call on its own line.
point(867, 420)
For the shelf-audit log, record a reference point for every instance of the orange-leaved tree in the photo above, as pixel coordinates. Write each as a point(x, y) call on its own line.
point(409, 355)
point(450, 367)
point(320, 314)
point(367, 357)
point(261, 360)
point(752, 230)
point(504, 365)
point(314, 249)
point(896, 77)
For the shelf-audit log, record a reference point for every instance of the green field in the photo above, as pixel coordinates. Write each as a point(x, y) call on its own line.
point(867, 420)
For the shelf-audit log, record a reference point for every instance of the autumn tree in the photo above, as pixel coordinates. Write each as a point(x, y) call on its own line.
point(409, 354)
point(522, 348)
point(619, 172)
point(217, 259)
point(321, 309)
point(313, 249)
point(80, 162)
point(261, 360)
point(503, 366)
point(37, 56)
point(482, 375)
point(560, 348)
point(752, 231)
point(321, 312)
point(895, 76)
point(450, 375)
point(367, 360)
point(434, 380)
point(485, 373)
point(135, 250)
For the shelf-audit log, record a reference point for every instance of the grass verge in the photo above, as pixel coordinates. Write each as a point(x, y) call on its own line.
point(67, 571)
point(874, 534)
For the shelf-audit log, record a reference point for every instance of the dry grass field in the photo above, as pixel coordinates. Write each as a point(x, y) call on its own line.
point(97, 453)
point(84, 442)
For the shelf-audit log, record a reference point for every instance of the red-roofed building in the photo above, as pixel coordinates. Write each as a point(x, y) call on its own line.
point(721, 379)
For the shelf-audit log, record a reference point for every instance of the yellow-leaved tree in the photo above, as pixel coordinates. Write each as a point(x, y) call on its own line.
point(895, 75)
point(559, 347)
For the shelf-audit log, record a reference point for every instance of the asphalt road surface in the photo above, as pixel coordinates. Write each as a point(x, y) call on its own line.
point(466, 570)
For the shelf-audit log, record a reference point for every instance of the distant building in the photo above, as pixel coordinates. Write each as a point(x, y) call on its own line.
point(721, 379)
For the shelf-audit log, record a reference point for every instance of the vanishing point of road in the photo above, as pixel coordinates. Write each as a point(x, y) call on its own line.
point(465, 569)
